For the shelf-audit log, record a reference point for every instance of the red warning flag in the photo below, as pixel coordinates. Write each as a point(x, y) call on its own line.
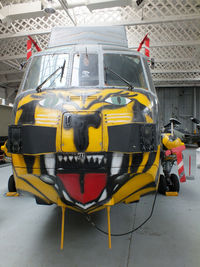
point(179, 156)
point(147, 53)
point(29, 52)
point(29, 46)
point(145, 41)
point(35, 44)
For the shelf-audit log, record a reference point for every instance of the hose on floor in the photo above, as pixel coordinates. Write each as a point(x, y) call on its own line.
point(89, 219)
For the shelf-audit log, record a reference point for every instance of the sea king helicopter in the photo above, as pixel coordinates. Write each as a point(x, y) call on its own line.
point(86, 134)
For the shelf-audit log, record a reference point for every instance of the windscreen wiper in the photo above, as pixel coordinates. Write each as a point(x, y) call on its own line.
point(121, 78)
point(38, 88)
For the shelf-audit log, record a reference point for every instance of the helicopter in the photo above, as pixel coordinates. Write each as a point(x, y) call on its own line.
point(186, 136)
point(86, 134)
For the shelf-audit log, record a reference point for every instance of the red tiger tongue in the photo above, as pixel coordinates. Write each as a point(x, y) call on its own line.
point(93, 185)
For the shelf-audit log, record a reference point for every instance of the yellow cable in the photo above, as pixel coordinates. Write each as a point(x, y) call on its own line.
point(109, 232)
point(62, 228)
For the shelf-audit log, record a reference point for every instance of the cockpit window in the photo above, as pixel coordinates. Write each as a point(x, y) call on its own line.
point(119, 67)
point(42, 67)
point(85, 70)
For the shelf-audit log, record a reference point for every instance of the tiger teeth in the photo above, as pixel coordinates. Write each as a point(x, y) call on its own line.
point(49, 160)
point(100, 157)
point(89, 158)
point(116, 163)
point(66, 196)
point(93, 159)
point(70, 158)
point(82, 160)
point(60, 158)
point(103, 195)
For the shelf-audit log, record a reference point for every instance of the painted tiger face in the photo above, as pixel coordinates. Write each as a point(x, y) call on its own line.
point(87, 144)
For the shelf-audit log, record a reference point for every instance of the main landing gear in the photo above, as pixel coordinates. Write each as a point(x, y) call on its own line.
point(168, 182)
point(12, 192)
point(11, 184)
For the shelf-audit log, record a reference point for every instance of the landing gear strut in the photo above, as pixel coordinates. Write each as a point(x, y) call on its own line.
point(11, 184)
point(168, 182)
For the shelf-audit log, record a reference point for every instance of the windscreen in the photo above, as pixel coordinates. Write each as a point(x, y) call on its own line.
point(120, 67)
point(41, 69)
point(85, 71)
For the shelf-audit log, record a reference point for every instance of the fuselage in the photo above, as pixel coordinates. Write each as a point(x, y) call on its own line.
point(89, 134)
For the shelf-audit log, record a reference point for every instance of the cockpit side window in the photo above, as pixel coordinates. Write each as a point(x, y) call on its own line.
point(85, 71)
point(152, 88)
point(42, 67)
point(128, 67)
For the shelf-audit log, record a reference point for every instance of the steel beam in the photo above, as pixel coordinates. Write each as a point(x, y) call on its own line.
point(168, 19)
point(10, 81)
point(176, 60)
point(20, 11)
point(171, 44)
point(24, 33)
point(177, 85)
point(21, 56)
point(177, 80)
point(175, 71)
point(11, 72)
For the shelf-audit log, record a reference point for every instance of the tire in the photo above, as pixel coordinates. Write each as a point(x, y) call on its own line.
point(11, 184)
point(198, 143)
point(162, 187)
point(175, 186)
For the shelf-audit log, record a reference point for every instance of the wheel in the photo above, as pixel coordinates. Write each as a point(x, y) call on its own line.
point(11, 184)
point(40, 201)
point(175, 185)
point(162, 187)
point(198, 143)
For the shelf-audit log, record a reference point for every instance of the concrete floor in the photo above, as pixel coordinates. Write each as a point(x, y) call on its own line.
point(30, 234)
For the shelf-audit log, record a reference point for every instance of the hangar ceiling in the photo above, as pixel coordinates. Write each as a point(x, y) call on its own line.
point(173, 27)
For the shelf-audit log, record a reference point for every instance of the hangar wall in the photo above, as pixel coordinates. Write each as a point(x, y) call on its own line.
point(181, 103)
point(5, 119)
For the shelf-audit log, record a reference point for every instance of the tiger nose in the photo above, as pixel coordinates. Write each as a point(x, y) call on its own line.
point(80, 125)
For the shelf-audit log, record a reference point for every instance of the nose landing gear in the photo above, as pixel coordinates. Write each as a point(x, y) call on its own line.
point(12, 192)
point(168, 184)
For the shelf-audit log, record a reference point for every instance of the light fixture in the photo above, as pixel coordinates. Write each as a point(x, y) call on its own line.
point(49, 9)
point(137, 4)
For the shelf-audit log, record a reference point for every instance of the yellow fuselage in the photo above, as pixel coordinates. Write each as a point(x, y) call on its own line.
point(82, 148)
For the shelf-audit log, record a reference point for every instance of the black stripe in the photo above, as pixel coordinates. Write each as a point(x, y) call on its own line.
point(32, 186)
point(152, 184)
point(136, 161)
point(150, 161)
point(125, 163)
point(29, 160)
point(157, 175)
